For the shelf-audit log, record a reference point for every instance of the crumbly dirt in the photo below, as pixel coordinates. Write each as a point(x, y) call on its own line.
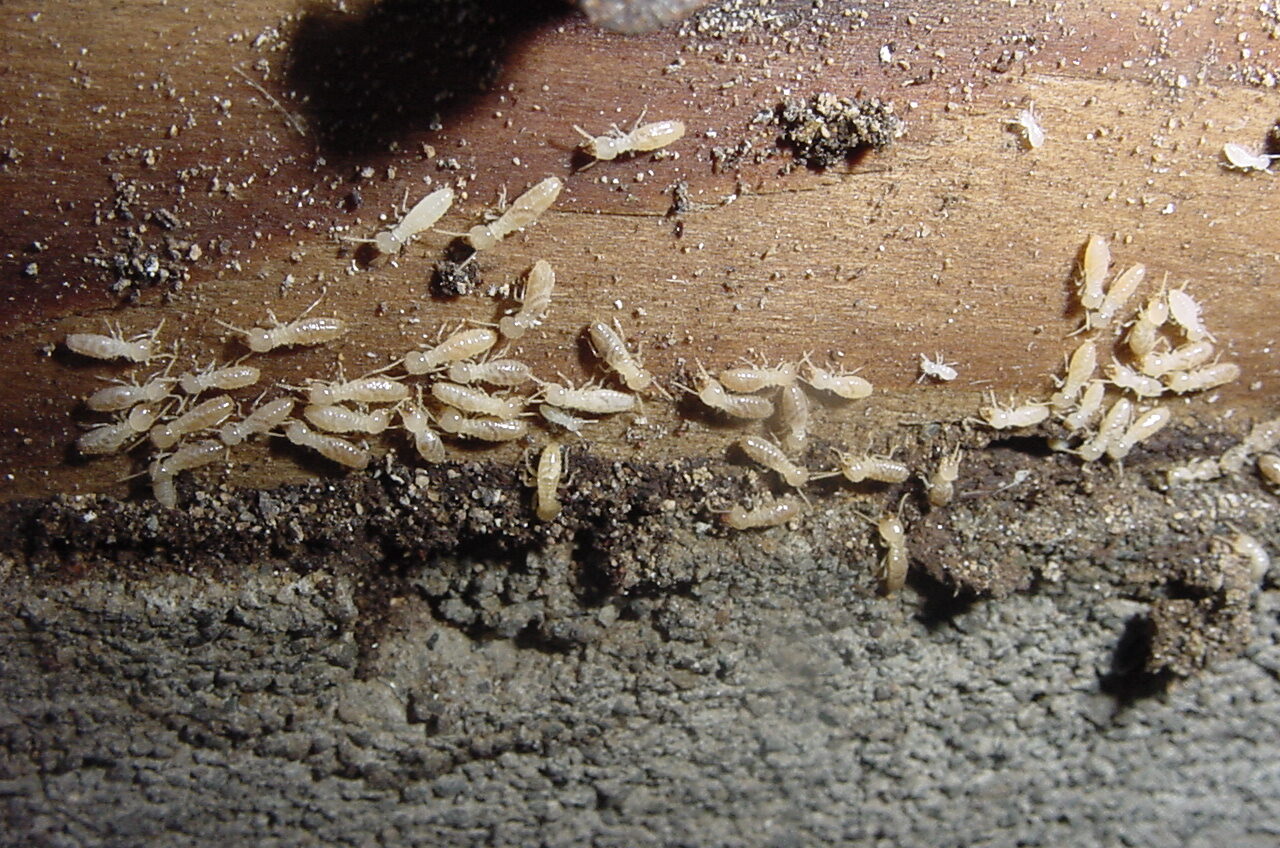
point(827, 130)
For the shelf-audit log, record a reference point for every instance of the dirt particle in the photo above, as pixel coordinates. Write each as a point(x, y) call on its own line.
point(828, 129)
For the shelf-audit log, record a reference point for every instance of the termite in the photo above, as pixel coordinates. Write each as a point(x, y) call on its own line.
point(1006, 417)
point(547, 477)
point(522, 213)
point(1126, 378)
point(770, 455)
point(1118, 294)
point(332, 448)
point(332, 418)
point(755, 378)
point(227, 378)
point(211, 413)
point(534, 303)
point(1263, 436)
point(1028, 125)
point(640, 139)
point(481, 429)
point(936, 369)
point(140, 348)
point(847, 386)
point(1144, 427)
point(893, 568)
point(163, 470)
point(476, 402)
point(372, 389)
point(940, 485)
point(1269, 468)
point(125, 395)
point(1082, 416)
point(1145, 332)
point(610, 347)
point(300, 332)
point(1195, 471)
point(496, 372)
point(1080, 368)
point(417, 422)
point(1185, 312)
point(1182, 358)
point(464, 344)
point(1252, 551)
point(793, 418)
point(1203, 379)
point(420, 218)
point(881, 469)
point(562, 419)
point(713, 395)
point(1241, 158)
point(770, 514)
point(114, 436)
point(588, 399)
point(1093, 271)
point(261, 420)
point(1113, 426)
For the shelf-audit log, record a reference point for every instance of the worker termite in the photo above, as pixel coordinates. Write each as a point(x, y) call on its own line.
point(1251, 551)
point(1028, 126)
point(547, 479)
point(893, 536)
point(769, 514)
point(332, 418)
point(640, 139)
point(1113, 426)
point(1182, 358)
point(420, 218)
point(522, 213)
point(562, 419)
point(1118, 294)
point(332, 448)
point(496, 372)
point(846, 386)
point(770, 455)
point(261, 420)
point(1006, 417)
point(1269, 468)
point(1080, 368)
point(535, 302)
point(1145, 332)
point(858, 468)
point(371, 389)
point(164, 469)
point(1203, 379)
point(1093, 271)
point(464, 344)
point(1126, 378)
point(936, 369)
point(1090, 404)
point(755, 378)
point(481, 429)
point(227, 378)
point(300, 332)
point(610, 347)
point(1195, 471)
point(140, 348)
point(113, 437)
point(793, 418)
point(713, 395)
point(476, 402)
point(211, 413)
point(940, 485)
point(1241, 158)
point(590, 399)
point(417, 422)
point(1184, 310)
point(125, 395)
point(1144, 427)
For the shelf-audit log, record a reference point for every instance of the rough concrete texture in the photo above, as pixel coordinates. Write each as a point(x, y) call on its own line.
point(738, 689)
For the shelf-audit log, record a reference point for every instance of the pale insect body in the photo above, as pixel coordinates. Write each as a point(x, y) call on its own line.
point(1122, 288)
point(114, 436)
point(1241, 158)
point(610, 347)
point(417, 422)
point(881, 469)
point(1006, 417)
point(463, 344)
point(1126, 378)
point(755, 378)
point(211, 413)
point(1195, 471)
point(183, 459)
point(562, 419)
point(770, 514)
point(1143, 427)
point(140, 348)
point(1253, 552)
point(332, 448)
point(713, 395)
point(1203, 379)
point(332, 418)
point(227, 378)
point(1113, 426)
point(535, 303)
point(640, 139)
point(481, 429)
point(893, 568)
point(476, 402)
point(123, 396)
point(936, 369)
point(1087, 410)
point(496, 372)
point(1080, 368)
point(846, 386)
point(1028, 126)
point(300, 332)
point(586, 399)
point(264, 419)
point(1093, 271)
point(769, 455)
point(1269, 468)
point(522, 213)
point(373, 389)
point(793, 418)
point(940, 485)
point(1182, 358)
point(1145, 333)
point(1184, 310)
point(421, 217)
point(547, 478)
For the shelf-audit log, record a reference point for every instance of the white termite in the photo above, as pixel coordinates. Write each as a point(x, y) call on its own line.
point(1203, 379)
point(263, 419)
point(1146, 425)
point(1027, 124)
point(476, 402)
point(125, 395)
point(1007, 417)
point(226, 378)
point(421, 217)
point(1122, 288)
point(1269, 468)
point(1113, 426)
point(332, 448)
point(640, 139)
point(1088, 408)
point(426, 441)
point(793, 418)
point(547, 480)
point(1145, 333)
point(754, 378)
point(936, 369)
point(1251, 551)
point(185, 458)
point(140, 348)
point(770, 455)
point(534, 303)
point(1093, 272)
point(202, 416)
point(1263, 436)
point(893, 567)
point(846, 386)
point(562, 419)
point(496, 372)
point(332, 418)
point(522, 213)
point(940, 485)
point(1195, 471)
point(1126, 378)
point(300, 332)
point(463, 344)
point(1080, 368)
point(480, 429)
point(1241, 158)
point(371, 389)
point(769, 514)
point(114, 436)
point(590, 399)
point(610, 347)
point(714, 396)
point(858, 468)
point(1184, 310)
point(1182, 358)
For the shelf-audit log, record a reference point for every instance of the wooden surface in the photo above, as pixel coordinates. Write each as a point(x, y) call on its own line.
point(954, 240)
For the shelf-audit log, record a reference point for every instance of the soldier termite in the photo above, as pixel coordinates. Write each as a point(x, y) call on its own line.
point(713, 395)
point(793, 418)
point(1203, 379)
point(535, 302)
point(770, 455)
point(1241, 158)
point(1126, 378)
point(770, 514)
point(1093, 271)
point(464, 344)
point(858, 468)
point(1118, 294)
point(332, 448)
point(372, 389)
point(1006, 417)
point(1090, 404)
point(211, 413)
point(610, 347)
point(495, 372)
point(113, 437)
point(227, 378)
point(547, 478)
point(847, 386)
point(1184, 310)
point(936, 369)
point(481, 429)
point(476, 402)
point(588, 399)
point(640, 139)
point(163, 470)
point(140, 348)
point(417, 422)
point(1144, 427)
point(1080, 368)
point(755, 378)
point(1269, 468)
point(1182, 358)
point(332, 418)
point(261, 420)
point(1028, 126)
point(1113, 426)
point(420, 218)
point(522, 213)
point(940, 485)
point(300, 332)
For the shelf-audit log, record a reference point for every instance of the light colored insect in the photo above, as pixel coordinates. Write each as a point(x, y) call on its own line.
point(1113, 426)
point(754, 378)
point(140, 348)
point(264, 419)
point(1241, 158)
point(1028, 126)
point(893, 536)
point(1006, 417)
point(770, 514)
point(332, 448)
point(1090, 404)
point(495, 372)
point(940, 485)
point(332, 418)
point(1184, 310)
point(464, 344)
point(227, 378)
point(1203, 379)
point(1093, 272)
point(640, 139)
point(547, 478)
point(1145, 332)
point(1269, 468)
point(164, 469)
point(936, 369)
point(590, 399)
point(421, 217)
point(113, 437)
point(373, 389)
point(1126, 378)
point(847, 386)
point(1080, 368)
point(770, 455)
point(417, 421)
point(535, 303)
point(211, 413)
point(476, 402)
point(881, 469)
point(125, 395)
point(562, 419)
point(610, 347)
point(1263, 436)
point(713, 395)
point(1195, 471)
point(793, 418)
point(1146, 425)
point(522, 213)
point(300, 332)
point(1251, 551)
point(1182, 358)
point(1118, 294)
point(481, 429)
